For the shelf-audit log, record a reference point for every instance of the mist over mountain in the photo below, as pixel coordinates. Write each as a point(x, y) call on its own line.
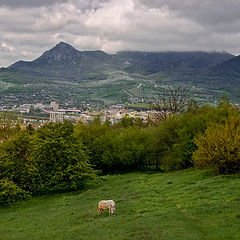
point(66, 60)
point(64, 73)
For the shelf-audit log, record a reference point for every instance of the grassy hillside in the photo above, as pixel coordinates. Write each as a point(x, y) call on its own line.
point(73, 77)
point(187, 204)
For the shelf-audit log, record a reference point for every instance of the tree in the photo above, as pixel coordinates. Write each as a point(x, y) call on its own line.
point(9, 125)
point(16, 163)
point(60, 158)
point(219, 147)
point(125, 122)
point(170, 101)
point(161, 142)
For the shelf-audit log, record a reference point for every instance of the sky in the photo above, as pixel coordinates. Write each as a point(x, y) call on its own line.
point(30, 27)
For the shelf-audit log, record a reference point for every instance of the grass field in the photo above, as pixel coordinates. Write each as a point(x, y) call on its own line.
point(187, 204)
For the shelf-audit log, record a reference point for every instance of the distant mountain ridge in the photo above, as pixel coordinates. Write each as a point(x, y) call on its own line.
point(171, 61)
point(64, 73)
point(63, 59)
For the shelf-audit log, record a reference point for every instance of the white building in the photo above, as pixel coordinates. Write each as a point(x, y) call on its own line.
point(54, 106)
point(56, 117)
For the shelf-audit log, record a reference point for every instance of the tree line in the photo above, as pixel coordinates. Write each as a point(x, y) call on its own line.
point(64, 156)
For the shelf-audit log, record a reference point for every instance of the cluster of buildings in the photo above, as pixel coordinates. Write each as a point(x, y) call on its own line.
point(52, 113)
point(113, 114)
point(116, 113)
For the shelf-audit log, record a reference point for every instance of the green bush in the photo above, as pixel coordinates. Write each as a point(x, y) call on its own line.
point(16, 162)
point(60, 158)
point(10, 192)
point(219, 147)
point(114, 148)
point(50, 158)
point(161, 142)
point(124, 149)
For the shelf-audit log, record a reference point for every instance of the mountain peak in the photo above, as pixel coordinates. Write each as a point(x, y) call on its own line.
point(62, 51)
point(63, 45)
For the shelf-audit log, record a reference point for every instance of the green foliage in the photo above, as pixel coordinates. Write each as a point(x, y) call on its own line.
point(115, 148)
point(63, 156)
point(125, 122)
point(133, 148)
point(50, 158)
point(60, 157)
point(9, 125)
point(219, 147)
point(16, 162)
point(129, 145)
point(161, 142)
point(88, 135)
point(172, 142)
point(122, 149)
point(190, 125)
point(10, 192)
point(107, 148)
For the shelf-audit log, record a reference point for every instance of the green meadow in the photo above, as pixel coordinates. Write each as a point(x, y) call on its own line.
point(187, 204)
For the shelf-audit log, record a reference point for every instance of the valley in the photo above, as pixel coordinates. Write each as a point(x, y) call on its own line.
point(76, 78)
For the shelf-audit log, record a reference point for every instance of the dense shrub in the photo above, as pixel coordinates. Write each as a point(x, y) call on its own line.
point(63, 156)
point(134, 148)
point(50, 158)
point(124, 149)
point(16, 163)
point(9, 125)
point(10, 192)
point(161, 143)
point(60, 157)
point(219, 147)
point(88, 135)
point(129, 144)
point(189, 126)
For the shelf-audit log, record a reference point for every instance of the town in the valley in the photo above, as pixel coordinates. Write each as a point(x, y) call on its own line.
point(38, 114)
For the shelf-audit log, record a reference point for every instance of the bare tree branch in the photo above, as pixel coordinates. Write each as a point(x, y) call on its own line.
point(170, 101)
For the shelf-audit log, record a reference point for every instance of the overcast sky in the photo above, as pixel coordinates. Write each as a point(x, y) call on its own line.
point(30, 27)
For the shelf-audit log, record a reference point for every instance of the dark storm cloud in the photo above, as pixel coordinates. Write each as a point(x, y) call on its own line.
point(28, 27)
point(28, 3)
point(204, 11)
point(83, 4)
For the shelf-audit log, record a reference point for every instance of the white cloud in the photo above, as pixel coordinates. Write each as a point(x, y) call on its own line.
point(28, 28)
point(6, 47)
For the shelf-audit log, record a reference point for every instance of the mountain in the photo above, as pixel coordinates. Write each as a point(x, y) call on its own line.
point(228, 71)
point(65, 63)
point(150, 63)
point(223, 78)
point(74, 77)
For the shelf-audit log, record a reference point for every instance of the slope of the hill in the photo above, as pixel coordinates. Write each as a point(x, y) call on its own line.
point(148, 63)
point(222, 79)
point(74, 77)
point(63, 62)
point(226, 74)
point(187, 205)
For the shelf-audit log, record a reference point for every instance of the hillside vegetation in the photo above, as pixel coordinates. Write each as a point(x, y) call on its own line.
point(64, 156)
point(74, 77)
point(74, 162)
point(185, 205)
